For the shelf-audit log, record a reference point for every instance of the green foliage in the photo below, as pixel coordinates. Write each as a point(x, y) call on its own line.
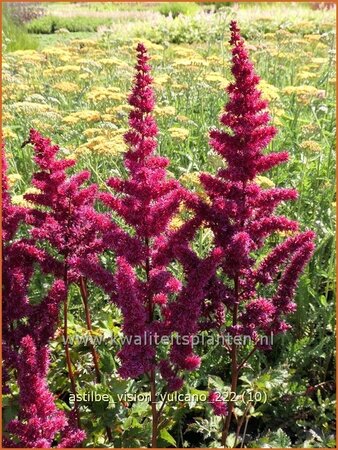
point(185, 29)
point(15, 37)
point(276, 439)
point(51, 24)
point(174, 9)
point(212, 27)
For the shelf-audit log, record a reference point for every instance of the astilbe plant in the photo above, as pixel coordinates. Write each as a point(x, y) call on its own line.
point(152, 300)
point(64, 219)
point(27, 330)
point(242, 287)
point(242, 216)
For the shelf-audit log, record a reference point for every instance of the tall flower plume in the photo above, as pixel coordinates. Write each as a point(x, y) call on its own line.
point(242, 216)
point(146, 201)
point(27, 331)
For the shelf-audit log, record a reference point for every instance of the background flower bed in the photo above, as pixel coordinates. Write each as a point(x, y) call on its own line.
point(74, 90)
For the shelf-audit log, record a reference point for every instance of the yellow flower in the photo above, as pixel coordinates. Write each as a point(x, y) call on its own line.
point(19, 200)
point(176, 222)
point(165, 111)
point(67, 68)
point(286, 233)
point(13, 178)
point(310, 128)
point(159, 80)
point(305, 75)
point(31, 107)
point(264, 182)
point(285, 55)
point(304, 94)
point(320, 45)
point(311, 146)
point(85, 76)
point(214, 77)
point(269, 92)
point(8, 133)
point(66, 87)
point(98, 94)
point(179, 133)
point(28, 56)
point(85, 116)
point(319, 61)
point(83, 43)
point(191, 180)
point(56, 51)
point(190, 62)
point(42, 125)
point(112, 146)
point(213, 59)
point(150, 45)
point(91, 132)
point(178, 86)
point(312, 37)
point(182, 118)
point(283, 34)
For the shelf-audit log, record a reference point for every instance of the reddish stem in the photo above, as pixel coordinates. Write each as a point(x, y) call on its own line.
point(152, 377)
point(234, 369)
point(84, 295)
point(68, 358)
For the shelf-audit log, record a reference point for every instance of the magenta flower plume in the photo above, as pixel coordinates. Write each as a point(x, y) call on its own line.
point(217, 403)
point(27, 331)
point(242, 215)
point(64, 215)
point(147, 201)
point(39, 420)
point(246, 116)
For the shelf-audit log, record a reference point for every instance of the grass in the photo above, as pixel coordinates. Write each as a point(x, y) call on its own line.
point(51, 24)
point(15, 37)
point(177, 8)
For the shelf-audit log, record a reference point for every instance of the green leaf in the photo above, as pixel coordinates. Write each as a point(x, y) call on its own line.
point(231, 440)
point(215, 382)
point(166, 436)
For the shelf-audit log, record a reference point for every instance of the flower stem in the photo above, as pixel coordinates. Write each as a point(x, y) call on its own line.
point(154, 412)
point(153, 409)
point(84, 295)
point(234, 371)
point(68, 358)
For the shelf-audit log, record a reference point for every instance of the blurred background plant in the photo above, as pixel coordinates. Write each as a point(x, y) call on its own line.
point(14, 32)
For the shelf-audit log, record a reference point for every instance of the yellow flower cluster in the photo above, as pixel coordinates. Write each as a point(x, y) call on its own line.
point(304, 94)
point(214, 77)
point(164, 111)
point(66, 87)
point(105, 144)
point(19, 200)
point(82, 116)
point(99, 94)
point(178, 133)
point(269, 92)
point(8, 133)
point(310, 146)
point(264, 182)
